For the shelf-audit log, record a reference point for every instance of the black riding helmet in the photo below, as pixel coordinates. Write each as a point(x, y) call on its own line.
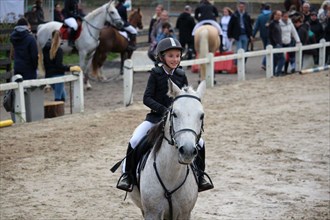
point(165, 45)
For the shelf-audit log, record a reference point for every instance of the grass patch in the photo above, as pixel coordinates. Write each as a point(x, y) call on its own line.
point(73, 59)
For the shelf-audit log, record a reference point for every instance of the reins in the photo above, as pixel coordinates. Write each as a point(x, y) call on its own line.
point(168, 194)
point(171, 141)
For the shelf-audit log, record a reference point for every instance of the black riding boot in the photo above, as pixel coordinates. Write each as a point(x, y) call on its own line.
point(71, 37)
point(126, 180)
point(131, 42)
point(203, 184)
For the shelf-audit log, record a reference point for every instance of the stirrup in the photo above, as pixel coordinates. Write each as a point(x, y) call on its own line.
point(203, 185)
point(125, 180)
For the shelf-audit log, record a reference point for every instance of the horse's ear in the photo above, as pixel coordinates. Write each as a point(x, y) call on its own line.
point(201, 89)
point(173, 89)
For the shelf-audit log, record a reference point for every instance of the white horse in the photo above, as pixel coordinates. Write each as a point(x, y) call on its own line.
point(89, 37)
point(168, 188)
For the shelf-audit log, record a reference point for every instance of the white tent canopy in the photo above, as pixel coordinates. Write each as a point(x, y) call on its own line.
point(12, 10)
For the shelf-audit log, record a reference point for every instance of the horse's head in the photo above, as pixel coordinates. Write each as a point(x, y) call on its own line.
point(113, 16)
point(135, 18)
point(186, 120)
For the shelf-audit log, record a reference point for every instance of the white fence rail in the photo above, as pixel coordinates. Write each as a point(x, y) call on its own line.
point(19, 87)
point(240, 56)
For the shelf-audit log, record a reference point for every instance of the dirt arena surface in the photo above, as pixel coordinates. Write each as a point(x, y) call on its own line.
point(267, 145)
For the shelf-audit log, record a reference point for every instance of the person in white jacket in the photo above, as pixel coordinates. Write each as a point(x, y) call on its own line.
point(290, 37)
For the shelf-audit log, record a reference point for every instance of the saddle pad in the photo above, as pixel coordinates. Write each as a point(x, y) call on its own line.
point(64, 30)
point(124, 34)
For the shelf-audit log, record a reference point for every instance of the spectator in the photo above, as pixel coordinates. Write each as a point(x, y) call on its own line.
point(25, 50)
point(315, 26)
point(37, 8)
point(240, 27)
point(289, 39)
point(58, 16)
point(224, 22)
point(166, 32)
point(306, 11)
point(261, 26)
point(275, 39)
point(157, 28)
point(302, 30)
point(288, 3)
point(327, 37)
point(131, 31)
point(154, 20)
point(169, 52)
point(322, 13)
point(53, 62)
point(185, 25)
point(206, 13)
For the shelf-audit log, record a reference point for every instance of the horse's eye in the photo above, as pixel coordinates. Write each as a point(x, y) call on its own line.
point(174, 115)
point(112, 12)
point(202, 117)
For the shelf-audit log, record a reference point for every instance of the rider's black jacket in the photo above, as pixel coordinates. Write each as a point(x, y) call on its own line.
point(155, 95)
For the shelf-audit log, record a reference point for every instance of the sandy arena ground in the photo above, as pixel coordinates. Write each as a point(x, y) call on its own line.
point(267, 152)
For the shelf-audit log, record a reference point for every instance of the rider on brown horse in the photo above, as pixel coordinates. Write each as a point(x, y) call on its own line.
point(131, 31)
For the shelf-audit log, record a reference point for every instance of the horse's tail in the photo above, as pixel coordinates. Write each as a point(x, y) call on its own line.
point(98, 59)
point(41, 67)
point(203, 49)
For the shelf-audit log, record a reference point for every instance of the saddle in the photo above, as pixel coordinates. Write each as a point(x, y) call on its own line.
point(65, 32)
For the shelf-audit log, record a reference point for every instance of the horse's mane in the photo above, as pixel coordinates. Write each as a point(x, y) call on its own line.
point(92, 14)
point(133, 12)
point(155, 136)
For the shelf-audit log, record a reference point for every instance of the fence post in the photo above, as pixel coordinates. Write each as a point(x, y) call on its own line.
point(299, 57)
point(78, 94)
point(241, 65)
point(128, 82)
point(322, 53)
point(269, 61)
point(20, 111)
point(210, 70)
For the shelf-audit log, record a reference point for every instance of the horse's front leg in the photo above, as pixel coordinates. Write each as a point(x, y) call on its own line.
point(83, 61)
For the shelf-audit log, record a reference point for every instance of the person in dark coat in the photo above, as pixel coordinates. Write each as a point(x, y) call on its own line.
point(37, 8)
point(185, 24)
point(53, 62)
point(25, 50)
point(327, 37)
point(275, 39)
point(58, 15)
point(317, 29)
point(240, 27)
point(155, 97)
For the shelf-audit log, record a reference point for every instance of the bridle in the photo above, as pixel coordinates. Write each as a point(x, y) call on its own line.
point(172, 141)
point(100, 28)
point(174, 133)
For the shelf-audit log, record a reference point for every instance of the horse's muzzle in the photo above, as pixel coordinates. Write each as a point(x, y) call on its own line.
point(119, 24)
point(187, 154)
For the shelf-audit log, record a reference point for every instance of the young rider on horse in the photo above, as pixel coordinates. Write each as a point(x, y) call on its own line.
point(169, 52)
point(131, 31)
point(71, 13)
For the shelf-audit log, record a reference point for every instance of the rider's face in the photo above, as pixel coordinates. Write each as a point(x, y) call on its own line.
point(172, 58)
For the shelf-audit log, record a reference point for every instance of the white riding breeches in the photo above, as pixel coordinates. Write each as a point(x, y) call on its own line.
point(212, 22)
point(139, 132)
point(131, 29)
point(72, 23)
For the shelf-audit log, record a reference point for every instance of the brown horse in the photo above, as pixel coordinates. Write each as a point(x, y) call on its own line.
point(112, 41)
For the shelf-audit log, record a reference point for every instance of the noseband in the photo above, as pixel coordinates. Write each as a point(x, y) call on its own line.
point(174, 133)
